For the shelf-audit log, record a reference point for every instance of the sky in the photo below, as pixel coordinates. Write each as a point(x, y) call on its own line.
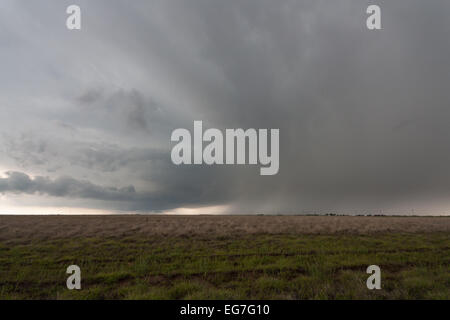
point(86, 115)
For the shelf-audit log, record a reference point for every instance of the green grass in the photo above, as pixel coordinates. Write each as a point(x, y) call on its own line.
point(413, 266)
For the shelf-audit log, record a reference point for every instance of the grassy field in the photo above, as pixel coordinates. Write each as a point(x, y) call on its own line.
point(326, 263)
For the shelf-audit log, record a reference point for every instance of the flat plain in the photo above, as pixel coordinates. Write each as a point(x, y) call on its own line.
point(224, 257)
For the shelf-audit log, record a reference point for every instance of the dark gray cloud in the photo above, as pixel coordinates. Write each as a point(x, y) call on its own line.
point(363, 115)
point(18, 182)
point(123, 198)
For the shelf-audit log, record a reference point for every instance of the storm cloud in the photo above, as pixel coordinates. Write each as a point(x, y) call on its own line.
point(363, 114)
point(18, 182)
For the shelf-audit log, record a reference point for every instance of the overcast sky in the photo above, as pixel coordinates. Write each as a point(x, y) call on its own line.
point(86, 116)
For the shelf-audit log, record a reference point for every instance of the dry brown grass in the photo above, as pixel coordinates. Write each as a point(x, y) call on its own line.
point(56, 227)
